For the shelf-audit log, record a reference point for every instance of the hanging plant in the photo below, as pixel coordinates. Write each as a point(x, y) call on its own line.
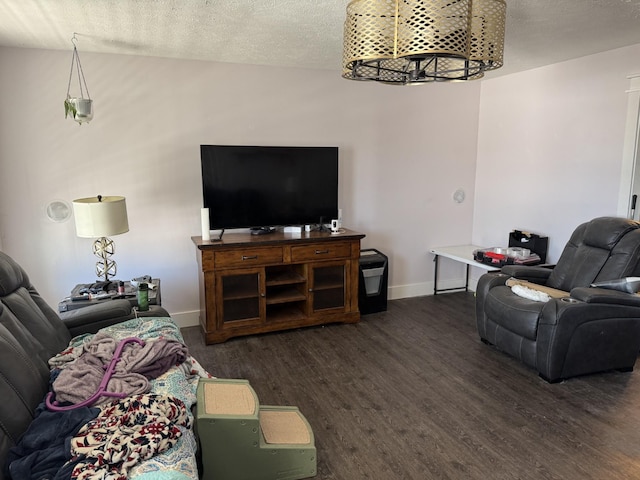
point(69, 108)
point(79, 108)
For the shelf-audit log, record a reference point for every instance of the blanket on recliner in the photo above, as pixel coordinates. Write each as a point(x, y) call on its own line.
point(137, 364)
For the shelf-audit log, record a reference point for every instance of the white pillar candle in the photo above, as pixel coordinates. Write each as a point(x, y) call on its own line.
point(204, 220)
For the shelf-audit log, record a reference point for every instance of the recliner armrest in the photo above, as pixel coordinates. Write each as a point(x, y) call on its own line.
point(534, 274)
point(92, 318)
point(97, 313)
point(605, 295)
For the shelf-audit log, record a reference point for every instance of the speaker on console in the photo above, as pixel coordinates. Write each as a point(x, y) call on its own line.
point(204, 221)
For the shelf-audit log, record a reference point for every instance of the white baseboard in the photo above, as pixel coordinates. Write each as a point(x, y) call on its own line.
point(413, 290)
point(426, 288)
point(192, 318)
point(187, 319)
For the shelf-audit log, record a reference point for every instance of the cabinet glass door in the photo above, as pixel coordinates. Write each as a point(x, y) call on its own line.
point(240, 296)
point(328, 286)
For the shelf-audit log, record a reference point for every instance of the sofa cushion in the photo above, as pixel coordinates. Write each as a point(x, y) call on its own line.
point(23, 383)
point(516, 314)
point(21, 298)
point(605, 248)
point(606, 232)
point(30, 333)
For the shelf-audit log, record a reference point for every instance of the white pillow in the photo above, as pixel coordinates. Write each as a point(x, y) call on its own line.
point(530, 293)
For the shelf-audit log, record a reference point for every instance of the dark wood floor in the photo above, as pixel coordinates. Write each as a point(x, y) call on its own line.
point(412, 393)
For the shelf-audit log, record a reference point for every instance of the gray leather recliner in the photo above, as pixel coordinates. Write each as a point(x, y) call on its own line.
point(30, 333)
point(594, 330)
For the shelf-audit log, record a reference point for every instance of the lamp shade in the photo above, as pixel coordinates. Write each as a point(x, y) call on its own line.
point(100, 216)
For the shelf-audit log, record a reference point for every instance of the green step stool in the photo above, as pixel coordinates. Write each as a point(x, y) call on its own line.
point(243, 440)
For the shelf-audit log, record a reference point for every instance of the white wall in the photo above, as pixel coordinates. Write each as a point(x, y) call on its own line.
point(550, 147)
point(403, 152)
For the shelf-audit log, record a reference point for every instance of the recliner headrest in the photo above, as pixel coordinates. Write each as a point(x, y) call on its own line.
point(605, 232)
point(12, 276)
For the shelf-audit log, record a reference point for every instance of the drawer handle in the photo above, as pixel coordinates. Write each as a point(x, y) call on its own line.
point(252, 257)
point(321, 252)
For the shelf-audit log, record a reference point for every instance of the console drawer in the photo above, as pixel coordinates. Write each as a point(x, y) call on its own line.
point(320, 251)
point(248, 257)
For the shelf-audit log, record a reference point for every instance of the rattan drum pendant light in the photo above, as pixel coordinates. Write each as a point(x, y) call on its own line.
point(405, 42)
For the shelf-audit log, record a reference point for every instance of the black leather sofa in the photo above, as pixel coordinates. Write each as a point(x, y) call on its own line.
point(30, 333)
point(592, 329)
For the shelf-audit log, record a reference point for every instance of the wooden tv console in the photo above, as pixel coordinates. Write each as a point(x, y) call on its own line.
point(264, 283)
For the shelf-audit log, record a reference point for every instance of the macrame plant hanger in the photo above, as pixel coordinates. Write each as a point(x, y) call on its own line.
point(79, 108)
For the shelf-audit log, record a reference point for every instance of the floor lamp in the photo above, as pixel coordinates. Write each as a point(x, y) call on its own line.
point(101, 217)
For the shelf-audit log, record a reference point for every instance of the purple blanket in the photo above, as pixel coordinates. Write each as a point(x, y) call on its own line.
point(137, 365)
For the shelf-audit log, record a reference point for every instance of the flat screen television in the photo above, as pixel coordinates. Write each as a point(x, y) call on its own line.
point(256, 187)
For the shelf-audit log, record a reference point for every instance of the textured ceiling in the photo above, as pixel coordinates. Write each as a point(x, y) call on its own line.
point(303, 33)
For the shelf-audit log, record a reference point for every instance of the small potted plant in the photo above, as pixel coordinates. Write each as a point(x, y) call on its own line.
point(79, 108)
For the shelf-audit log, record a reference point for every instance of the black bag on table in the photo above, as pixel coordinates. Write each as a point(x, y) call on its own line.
point(532, 241)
